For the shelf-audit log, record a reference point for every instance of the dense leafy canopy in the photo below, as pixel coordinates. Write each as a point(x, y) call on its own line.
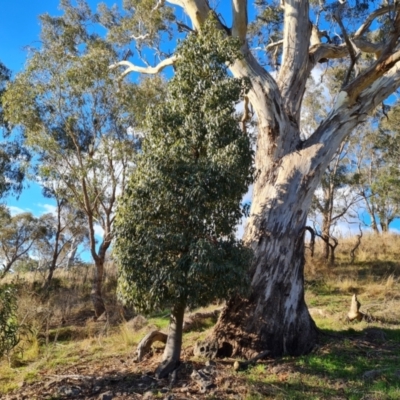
point(175, 240)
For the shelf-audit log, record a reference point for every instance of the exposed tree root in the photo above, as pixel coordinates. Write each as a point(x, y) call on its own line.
point(232, 339)
point(166, 367)
point(238, 335)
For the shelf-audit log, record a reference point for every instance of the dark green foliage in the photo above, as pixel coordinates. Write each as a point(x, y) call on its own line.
point(8, 321)
point(174, 225)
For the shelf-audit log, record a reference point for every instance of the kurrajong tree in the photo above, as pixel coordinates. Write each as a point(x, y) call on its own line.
point(293, 38)
point(175, 243)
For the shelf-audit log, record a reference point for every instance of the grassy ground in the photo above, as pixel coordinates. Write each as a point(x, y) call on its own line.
point(63, 349)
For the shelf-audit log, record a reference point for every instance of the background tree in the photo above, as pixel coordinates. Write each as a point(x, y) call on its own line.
point(333, 199)
point(307, 34)
point(175, 242)
point(375, 175)
point(80, 122)
point(66, 229)
point(388, 144)
point(13, 155)
point(17, 236)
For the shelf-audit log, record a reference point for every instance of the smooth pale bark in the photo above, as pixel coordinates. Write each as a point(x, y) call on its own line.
point(172, 352)
point(275, 317)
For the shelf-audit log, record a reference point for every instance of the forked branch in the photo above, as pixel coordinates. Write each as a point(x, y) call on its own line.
point(350, 46)
point(377, 13)
point(144, 70)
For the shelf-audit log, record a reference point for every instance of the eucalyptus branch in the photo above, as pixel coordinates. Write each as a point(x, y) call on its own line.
point(273, 45)
point(246, 114)
point(239, 28)
point(144, 70)
point(354, 55)
point(183, 27)
point(377, 13)
point(140, 37)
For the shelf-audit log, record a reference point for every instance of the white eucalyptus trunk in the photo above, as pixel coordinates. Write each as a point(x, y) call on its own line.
point(275, 316)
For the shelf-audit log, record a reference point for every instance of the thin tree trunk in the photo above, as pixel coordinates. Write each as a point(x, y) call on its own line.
point(172, 352)
point(96, 294)
point(327, 221)
point(371, 212)
point(325, 237)
point(47, 282)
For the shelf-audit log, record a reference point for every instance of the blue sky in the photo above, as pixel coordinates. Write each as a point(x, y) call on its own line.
point(19, 27)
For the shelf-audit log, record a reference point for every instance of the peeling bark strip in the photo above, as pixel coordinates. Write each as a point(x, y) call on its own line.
point(275, 317)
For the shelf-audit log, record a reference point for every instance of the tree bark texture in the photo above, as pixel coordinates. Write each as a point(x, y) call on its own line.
point(275, 317)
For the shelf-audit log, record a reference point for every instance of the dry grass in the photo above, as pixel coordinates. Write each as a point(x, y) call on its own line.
point(61, 332)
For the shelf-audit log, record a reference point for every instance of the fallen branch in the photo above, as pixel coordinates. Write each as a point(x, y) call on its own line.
point(241, 365)
point(145, 344)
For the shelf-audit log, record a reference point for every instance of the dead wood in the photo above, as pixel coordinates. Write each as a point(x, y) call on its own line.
point(354, 313)
point(356, 246)
point(241, 365)
point(145, 344)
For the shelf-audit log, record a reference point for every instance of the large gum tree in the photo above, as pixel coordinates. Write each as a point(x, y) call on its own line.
point(295, 37)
